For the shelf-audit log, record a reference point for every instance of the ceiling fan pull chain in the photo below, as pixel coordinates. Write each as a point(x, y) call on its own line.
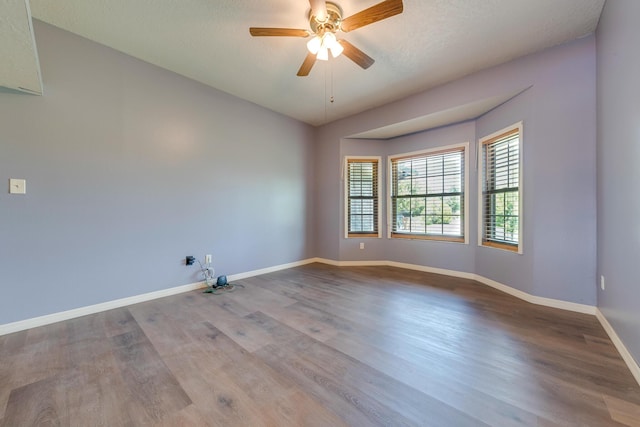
point(331, 72)
point(324, 98)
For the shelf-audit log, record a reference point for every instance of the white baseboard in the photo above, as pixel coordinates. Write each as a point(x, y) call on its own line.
point(533, 299)
point(34, 322)
point(273, 269)
point(348, 263)
point(622, 349)
point(549, 302)
point(452, 273)
point(21, 325)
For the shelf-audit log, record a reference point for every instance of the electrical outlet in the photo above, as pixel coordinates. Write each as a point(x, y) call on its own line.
point(361, 245)
point(602, 282)
point(17, 186)
point(189, 260)
point(207, 259)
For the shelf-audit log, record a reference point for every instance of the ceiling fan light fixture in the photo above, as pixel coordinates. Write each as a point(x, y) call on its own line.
point(314, 44)
point(328, 40)
point(321, 45)
point(323, 54)
point(336, 49)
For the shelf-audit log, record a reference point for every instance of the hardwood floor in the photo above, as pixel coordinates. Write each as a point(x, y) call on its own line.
point(321, 346)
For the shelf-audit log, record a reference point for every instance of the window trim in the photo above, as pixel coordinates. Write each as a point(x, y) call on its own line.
point(481, 167)
point(348, 235)
point(430, 151)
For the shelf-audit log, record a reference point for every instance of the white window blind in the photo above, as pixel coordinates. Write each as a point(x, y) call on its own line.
point(427, 195)
point(501, 190)
point(362, 197)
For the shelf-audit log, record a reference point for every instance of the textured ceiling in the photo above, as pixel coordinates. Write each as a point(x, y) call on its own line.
point(19, 67)
point(432, 42)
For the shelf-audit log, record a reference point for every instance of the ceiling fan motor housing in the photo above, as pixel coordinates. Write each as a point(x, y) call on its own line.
point(331, 24)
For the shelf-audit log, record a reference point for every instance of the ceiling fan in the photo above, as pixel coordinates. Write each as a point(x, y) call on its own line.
point(325, 20)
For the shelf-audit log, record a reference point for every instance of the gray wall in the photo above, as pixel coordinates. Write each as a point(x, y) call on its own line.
point(559, 120)
point(374, 249)
point(129, 168)
point(618, 172)
point(559, 114)
point(452, 256)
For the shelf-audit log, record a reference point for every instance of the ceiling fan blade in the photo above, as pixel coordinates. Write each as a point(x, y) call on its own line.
point(277, 32)
point(319, 9)
point(356, 55)
point(378, 12)
point(307, 64)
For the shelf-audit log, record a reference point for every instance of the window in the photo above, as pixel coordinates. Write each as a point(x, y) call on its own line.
point(501, 191)
point(362, 219)
point(427, 194)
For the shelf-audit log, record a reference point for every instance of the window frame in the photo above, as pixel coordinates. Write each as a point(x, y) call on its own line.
point(464, 239)
point(482, 142)
point(378, 224)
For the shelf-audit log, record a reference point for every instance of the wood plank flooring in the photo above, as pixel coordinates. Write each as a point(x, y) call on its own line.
point(321, 346)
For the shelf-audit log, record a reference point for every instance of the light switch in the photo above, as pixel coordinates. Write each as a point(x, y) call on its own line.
point(17, 186)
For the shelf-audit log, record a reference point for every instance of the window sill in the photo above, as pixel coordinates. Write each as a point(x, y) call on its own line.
point(503, 246)
point(362, 235)
point(454, 239)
